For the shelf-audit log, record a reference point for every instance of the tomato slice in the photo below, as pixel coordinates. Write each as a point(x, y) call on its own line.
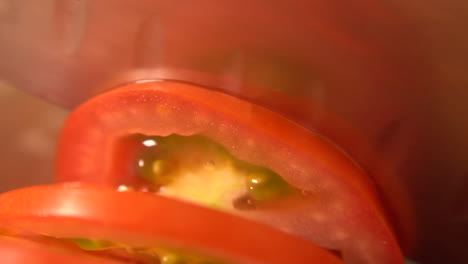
point(145, 220)
point(14, 250)
point(343, 210)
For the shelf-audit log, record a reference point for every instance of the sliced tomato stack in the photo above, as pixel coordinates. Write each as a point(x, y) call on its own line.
point(340, 211)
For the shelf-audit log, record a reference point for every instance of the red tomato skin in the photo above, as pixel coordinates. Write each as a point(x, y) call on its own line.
point(142, 219)
point(305, 159)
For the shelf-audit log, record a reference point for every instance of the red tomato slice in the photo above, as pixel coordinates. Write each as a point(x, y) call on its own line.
point(343, 211)
point(15, 250)
point(146, 220)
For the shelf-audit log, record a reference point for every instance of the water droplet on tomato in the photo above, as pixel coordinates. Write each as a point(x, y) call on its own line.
point(149, 143)
point(124, 188)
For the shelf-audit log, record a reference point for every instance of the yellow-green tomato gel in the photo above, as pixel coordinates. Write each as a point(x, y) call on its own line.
point(197, 169)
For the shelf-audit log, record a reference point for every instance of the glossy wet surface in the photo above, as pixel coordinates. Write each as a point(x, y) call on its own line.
point(394, 70)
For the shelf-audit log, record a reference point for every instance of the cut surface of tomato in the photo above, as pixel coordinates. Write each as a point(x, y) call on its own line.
point(341, 209)
point(142, 220)
point(15, 250)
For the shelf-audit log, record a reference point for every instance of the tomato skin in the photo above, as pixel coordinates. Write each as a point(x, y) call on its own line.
point(142, 219)
point(14, 250)
point(305, 159)
point(229, 121)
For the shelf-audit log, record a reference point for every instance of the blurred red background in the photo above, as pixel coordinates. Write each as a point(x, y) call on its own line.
point(27, 138)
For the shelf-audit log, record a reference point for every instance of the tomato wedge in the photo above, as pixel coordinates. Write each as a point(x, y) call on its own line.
point(14, 250)
point(145, 220)
point(342, 211)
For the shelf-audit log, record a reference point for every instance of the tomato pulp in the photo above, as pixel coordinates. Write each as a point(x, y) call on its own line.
point(14, 250)
point(141, 220)
point(340, 208)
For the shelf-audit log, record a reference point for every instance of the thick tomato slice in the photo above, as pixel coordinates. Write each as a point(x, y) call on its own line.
point(342, 210)
point(14, 250)
point(142, 220)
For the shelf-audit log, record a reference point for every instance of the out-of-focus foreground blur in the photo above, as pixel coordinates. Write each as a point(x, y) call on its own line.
point(27, 138)
point(392, 72)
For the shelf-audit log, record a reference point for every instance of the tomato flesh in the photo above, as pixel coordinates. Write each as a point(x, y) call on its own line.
point(14, 250)
point(145, 220)
point(342, 211)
